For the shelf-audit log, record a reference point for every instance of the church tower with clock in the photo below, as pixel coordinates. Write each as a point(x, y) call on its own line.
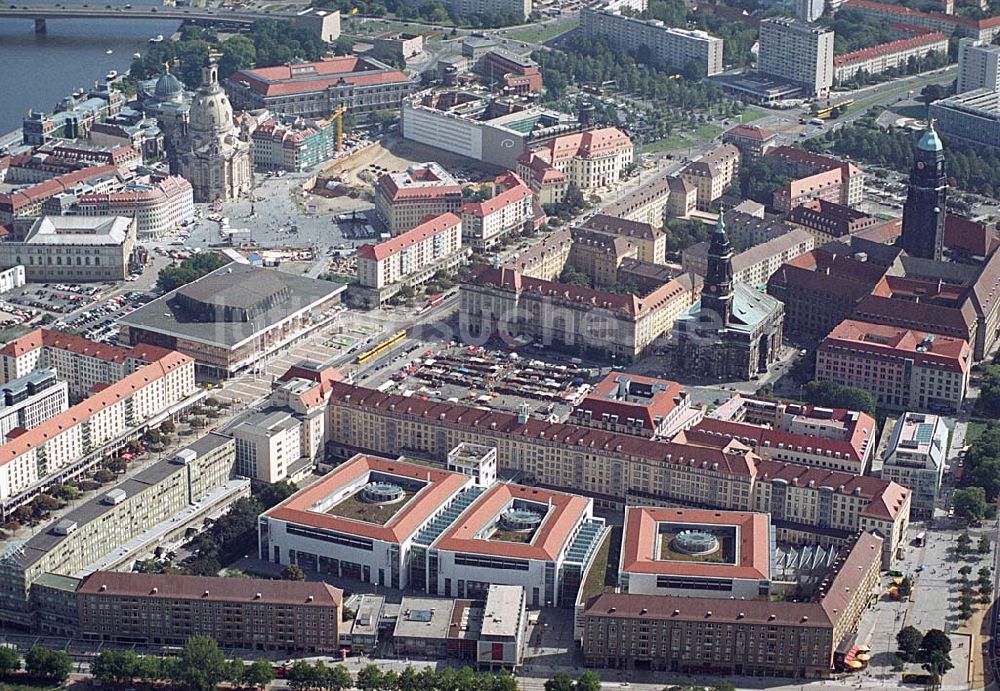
point(717, 292)
point(926, 200)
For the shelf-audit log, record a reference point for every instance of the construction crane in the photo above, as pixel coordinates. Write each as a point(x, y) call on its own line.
point(338, 115)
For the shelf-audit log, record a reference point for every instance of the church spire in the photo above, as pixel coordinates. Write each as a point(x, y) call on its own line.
point(717, 293)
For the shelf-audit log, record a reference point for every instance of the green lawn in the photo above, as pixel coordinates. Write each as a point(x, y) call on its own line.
point(675, 142)
point(974, 431)
point(379, 514)
point(595, 585)
point(751, 114)
point(707, 132)
point(542, 33)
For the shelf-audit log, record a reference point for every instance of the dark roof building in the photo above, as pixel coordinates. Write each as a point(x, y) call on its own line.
point(233, 316)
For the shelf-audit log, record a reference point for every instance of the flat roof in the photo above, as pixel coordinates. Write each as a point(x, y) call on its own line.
point(439, 488)
point(42, 542)
point(641, 543)
point(165, 316)
point(424, 617)
point(369, 615)
point(502, 615)
point(563, 513)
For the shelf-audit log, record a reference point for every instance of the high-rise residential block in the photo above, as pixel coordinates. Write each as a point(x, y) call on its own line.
point(797, 52)
point(978, 66)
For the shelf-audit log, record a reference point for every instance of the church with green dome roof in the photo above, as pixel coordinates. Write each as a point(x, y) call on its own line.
point(734, 331)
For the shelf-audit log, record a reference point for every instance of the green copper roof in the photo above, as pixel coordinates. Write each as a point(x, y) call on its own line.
point(930, 141)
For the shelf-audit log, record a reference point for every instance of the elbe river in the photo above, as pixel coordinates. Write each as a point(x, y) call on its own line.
point(37, 71)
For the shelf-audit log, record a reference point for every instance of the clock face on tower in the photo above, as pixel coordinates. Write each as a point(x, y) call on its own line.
point(713, 289)
point(920, 165)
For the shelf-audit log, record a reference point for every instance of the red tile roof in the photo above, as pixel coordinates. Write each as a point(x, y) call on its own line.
point(105, 398)
point(961, 233)
point(284, 80)
point(440, 487)
point(514, 191)
point(708, 609)
point(925, 349)
point(750, 132)
point(855, 448)
point(900, 11)
point(889, 48)
point(422, 232)
point(887, 495)
point(641, 543)
point(564, 513)
point(666, 397)
point(81, 346)
point(37, 193)
point(464, 417)
point(616, 302)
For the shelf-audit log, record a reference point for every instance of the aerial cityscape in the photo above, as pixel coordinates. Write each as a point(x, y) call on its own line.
point(499, 345)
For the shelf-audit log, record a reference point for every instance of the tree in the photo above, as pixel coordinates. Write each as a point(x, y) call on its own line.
point(560, 682)
point(302, 676)
point(238, 53)
point(694, 71)
point(905, 587)
point(588, 681)
point(909, 640)
point(989, 391)
point(337, 678)
point(202, 664)
point(274, 494)
point(833, 395)
point(986, 591)
point(259, 674)
point(50, 664)
point(965, 570)
point(984, 545)
point(935, 640)
point(962, 543)
point(191, 269)
point(292, 572)
point(937, 664)
point(970, 507)
point(10, 661)
point(985, 575)
point(168, 427)
point(369, 678)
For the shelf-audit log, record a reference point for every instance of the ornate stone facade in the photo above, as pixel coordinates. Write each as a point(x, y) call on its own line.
point(212, 157)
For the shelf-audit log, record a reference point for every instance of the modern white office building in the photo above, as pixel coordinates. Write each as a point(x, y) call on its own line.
point(696, 553)
point(405, 526)
point(268, 447)
point(915, 457)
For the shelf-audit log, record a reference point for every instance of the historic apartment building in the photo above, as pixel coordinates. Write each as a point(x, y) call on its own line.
point(243, 613)
point(807, 504)
point(753, 637)
point(404, 200)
